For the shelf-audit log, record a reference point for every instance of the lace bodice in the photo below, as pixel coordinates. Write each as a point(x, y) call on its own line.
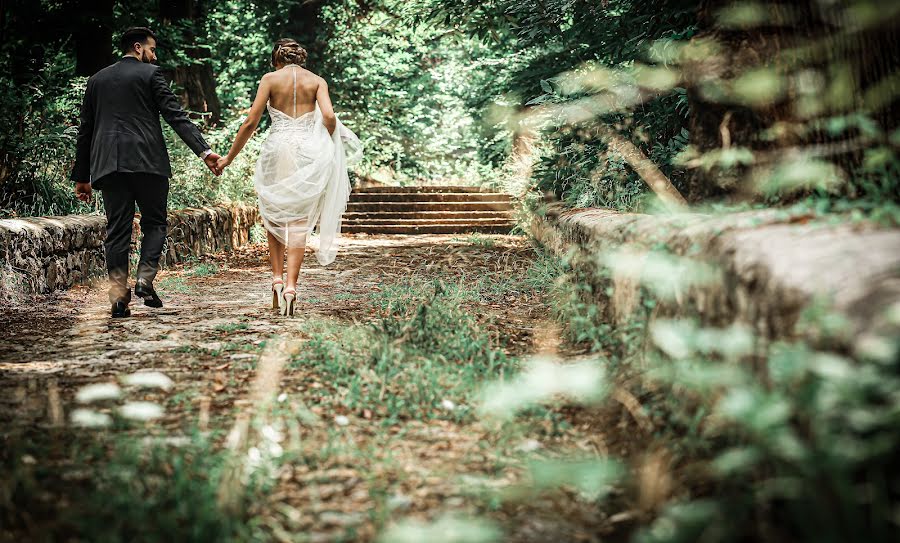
point(282, 122)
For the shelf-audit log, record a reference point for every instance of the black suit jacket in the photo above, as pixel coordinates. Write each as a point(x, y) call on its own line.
point(120, 129)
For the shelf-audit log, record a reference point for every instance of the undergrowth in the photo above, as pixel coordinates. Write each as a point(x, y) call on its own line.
point(421, 353)
point(792, 442)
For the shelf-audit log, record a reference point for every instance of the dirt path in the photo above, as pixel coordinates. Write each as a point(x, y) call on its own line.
point(356, 466)
point(218, 310)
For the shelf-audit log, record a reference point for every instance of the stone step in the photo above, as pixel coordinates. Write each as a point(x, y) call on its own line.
point(429, 197)
point(425, 188)
point(428, 206)
point(366, 221)
point(428, 215)
point(459, 228)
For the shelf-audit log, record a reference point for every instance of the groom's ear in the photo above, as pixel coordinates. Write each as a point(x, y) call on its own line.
point(135, 36)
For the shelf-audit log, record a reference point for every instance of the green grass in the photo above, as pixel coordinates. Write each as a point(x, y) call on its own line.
point(173, 284)
point(203, 269)
point(424, 349)
point(232, 327)
point(476, 239)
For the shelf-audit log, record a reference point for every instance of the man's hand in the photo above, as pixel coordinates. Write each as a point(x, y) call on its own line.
point(212, 160)
point(83, 191)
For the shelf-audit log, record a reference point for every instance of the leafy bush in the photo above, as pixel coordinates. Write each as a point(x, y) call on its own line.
point(38, 145)
point(808, 455)
point(793, 443)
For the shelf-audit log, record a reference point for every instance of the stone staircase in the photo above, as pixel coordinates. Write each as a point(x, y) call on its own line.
point(427, 210)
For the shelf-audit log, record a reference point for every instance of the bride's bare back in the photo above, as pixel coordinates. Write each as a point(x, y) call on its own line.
point(281, 90)
point(277, 89)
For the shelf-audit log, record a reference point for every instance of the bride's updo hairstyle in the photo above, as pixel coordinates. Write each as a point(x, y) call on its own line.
point(288, 51)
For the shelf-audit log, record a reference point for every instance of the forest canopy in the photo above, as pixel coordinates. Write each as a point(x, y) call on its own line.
point(738, 102)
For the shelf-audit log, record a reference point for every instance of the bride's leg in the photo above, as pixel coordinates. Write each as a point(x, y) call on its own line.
point(276, 256)
point(294, 261)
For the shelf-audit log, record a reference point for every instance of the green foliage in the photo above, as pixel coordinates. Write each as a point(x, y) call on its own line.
point(234, 36)
point(809, 456)
point(423, 350)
point(449, 91)
point(407, 90)
point(37, 146)
point(798, 442)
point(175, 486)
point(193, 185)
point(576, 296)
point(549, 43)
point(240, 36)
point(43, 106)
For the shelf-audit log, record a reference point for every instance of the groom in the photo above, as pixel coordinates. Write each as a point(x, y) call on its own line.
point(120, 150)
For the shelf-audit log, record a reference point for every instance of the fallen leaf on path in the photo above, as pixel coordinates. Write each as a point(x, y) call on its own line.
point(220, 380)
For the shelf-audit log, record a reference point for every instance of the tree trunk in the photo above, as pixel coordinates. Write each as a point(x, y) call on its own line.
point(198, 87)
point(195, 81)
point(2, 21)
point(661, 186)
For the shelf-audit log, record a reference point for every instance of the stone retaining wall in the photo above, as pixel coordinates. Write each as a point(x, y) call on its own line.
point(761, 269)
point(42, 254)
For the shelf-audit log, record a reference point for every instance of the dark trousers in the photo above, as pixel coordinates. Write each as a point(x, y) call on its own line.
point(121, 191)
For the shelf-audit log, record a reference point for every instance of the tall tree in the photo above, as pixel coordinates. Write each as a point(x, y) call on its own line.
point(194, 76)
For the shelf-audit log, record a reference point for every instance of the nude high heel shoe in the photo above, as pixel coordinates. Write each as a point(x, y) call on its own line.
point(288, 299)
point(277, 293)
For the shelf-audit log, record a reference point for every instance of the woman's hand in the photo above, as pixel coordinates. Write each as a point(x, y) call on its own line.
point(223, 162)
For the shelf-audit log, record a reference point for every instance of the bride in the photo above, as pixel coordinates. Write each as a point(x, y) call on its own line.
point(301, 173)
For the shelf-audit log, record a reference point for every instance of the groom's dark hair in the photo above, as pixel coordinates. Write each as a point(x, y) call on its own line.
point(137, 34)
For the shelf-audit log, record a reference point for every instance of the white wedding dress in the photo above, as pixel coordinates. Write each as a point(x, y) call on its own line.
point(301, 178)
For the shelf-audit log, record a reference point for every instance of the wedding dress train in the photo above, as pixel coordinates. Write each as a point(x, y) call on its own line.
point(301, 178)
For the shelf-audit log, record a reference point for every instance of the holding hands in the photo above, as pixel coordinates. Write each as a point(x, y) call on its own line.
point(223, 163)
point(211, 161)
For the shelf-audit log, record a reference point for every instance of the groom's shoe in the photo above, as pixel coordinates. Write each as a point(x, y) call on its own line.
point(144, 289)
point(120, 308)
